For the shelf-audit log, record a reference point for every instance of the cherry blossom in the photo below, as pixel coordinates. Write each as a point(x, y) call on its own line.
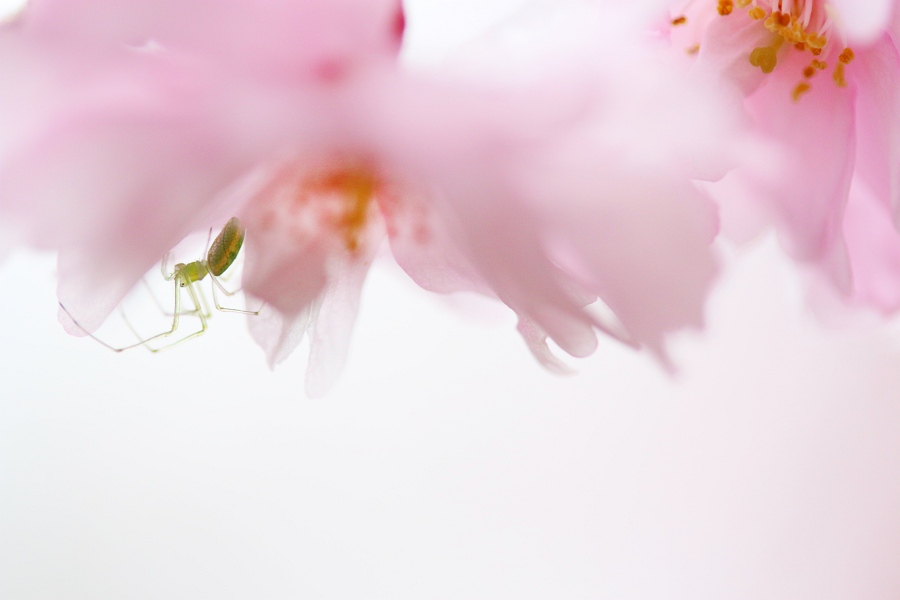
point(822, 79)
point(126, 123)
point(473, 196)
point(547, 193)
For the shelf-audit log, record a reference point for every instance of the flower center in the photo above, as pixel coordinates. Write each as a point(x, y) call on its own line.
point(806, 25)
point(346, 192)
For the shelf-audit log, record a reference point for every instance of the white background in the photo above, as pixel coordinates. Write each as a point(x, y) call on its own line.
point(446, 462)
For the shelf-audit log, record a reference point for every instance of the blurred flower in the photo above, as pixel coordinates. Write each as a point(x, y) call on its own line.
point(442, 171)
point(823, 80)
point(546, 194)
point(126, 123)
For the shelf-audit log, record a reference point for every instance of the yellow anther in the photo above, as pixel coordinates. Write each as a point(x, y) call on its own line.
point(694, 49)
point(839, 75)
point(764, 58)
point(725, 7)
point(789, 26)
point(801, 89)
point(817, 41)
point(679, 20)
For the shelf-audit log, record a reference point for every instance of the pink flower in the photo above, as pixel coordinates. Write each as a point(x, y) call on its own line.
point(124, 123)
point(823, 81)
point(546, 194)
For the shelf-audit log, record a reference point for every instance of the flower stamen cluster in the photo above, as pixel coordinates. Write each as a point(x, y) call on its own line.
point(352, 188)
point(804, 24)
point(332, 202)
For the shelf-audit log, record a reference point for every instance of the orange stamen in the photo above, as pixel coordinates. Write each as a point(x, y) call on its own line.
point(801, 89)
point(838, 76)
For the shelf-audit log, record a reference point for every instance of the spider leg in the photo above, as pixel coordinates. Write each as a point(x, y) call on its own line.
point(163, 266)
point(198, 310)
point(142, 342)
point(217, 284)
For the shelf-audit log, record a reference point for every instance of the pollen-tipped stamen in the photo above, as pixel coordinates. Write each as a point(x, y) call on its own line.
point(838, 75)
point(766, 57)
point(757, 13)
point(801, 89)
point(790, 21)
point(355, 185)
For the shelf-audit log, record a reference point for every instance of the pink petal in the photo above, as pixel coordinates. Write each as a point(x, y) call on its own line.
point(549, 217)
point(725, 46)
point(277, 333)
point(536, 339)
point(301, 261)
point(505, 246)
point(648, 259)
point(91, 188)
point(817, 134)
point(873, 245)
point(288, 277)
point(876, 73)
point(328, 318)
point(289, 38)
point(331, 325)
point(423, 243)
point(863, 20)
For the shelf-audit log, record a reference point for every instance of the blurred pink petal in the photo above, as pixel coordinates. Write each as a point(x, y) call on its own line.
point(279, 334)
point(330, 327)
point(874, 249)
point(290, 39)
point(612, 194)
point(877, 78)
point(312, 237)
point(328, 320)
point(864, 20)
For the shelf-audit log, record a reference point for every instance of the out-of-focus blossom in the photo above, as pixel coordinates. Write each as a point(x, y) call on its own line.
point(547, 194)
point(124, 124)
point(822, 79)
